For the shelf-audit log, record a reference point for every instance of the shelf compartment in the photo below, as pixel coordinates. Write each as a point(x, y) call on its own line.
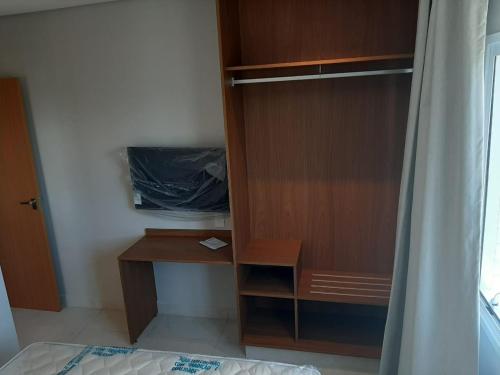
point(342, 328)
point(271, 253)
point(356, 288)
point(266, 318)
point(270, 281)
point(346, 60)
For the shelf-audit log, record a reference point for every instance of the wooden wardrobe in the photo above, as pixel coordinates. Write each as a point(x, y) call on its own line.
point(316, 97)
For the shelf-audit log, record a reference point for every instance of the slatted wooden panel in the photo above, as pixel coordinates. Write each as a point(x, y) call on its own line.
point(345, 288)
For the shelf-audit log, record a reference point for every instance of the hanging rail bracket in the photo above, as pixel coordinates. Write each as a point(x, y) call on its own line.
point(321, 76)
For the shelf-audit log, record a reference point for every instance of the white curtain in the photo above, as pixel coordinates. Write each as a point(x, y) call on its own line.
point(433, 322)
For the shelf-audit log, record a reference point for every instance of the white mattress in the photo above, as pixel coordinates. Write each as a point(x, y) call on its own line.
point(68, 359)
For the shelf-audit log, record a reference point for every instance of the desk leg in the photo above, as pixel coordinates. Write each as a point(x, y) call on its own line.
point(139, 293)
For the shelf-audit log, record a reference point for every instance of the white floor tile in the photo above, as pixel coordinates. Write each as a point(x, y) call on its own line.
point(93, 336)
point(218, 337)
point(229, 342)
point(31, 333)
point(230, 350)
point(110, 320)
point(181, 327)
point(69, 317)
point(35, 326)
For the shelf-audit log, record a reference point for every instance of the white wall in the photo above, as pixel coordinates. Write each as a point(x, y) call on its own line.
point(9, 344)
point(28, 6)
point(99, 78)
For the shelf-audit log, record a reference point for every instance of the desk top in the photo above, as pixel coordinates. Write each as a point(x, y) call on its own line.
point(180, 246)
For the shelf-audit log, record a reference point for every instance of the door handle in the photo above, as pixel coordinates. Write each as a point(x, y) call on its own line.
point(32, 202)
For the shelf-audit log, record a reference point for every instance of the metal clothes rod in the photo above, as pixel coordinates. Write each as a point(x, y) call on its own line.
point(321, 76)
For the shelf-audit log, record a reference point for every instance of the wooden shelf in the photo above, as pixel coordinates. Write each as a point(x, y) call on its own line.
point(342, 329)
point(347, 60)
point(267, 281)
point(332, 347)
point(271, 253)
point(337, 327)
point(182, 246)
point(270, 323)
point(268, 318)
point(328, 347)
point(356, 288)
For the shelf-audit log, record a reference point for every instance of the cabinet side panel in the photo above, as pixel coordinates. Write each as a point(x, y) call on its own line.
point(230, 54)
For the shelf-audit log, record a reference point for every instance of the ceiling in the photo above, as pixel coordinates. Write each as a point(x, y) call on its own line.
point(8, 7)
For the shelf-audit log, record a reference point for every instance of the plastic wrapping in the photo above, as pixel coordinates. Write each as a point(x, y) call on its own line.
point(51, 358)
point(179, 179)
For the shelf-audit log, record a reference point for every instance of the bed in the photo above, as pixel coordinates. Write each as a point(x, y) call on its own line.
point(70, 359)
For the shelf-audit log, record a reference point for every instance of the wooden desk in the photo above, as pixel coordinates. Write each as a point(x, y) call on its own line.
point(162, 245)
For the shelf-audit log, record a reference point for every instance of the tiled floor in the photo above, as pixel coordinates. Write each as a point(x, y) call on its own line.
point(217, 337)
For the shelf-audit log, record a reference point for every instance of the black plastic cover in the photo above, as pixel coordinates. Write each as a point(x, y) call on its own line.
point(179, 179)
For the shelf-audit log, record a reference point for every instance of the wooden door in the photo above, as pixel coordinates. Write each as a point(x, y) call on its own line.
point(25, 256)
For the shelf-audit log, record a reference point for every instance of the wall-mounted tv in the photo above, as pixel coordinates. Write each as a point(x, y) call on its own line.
point(179, 179)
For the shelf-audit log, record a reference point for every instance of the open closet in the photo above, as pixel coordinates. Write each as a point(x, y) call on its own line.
point(316, 96)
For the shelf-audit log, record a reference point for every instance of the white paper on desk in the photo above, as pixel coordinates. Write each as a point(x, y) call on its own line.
point(213, 243)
